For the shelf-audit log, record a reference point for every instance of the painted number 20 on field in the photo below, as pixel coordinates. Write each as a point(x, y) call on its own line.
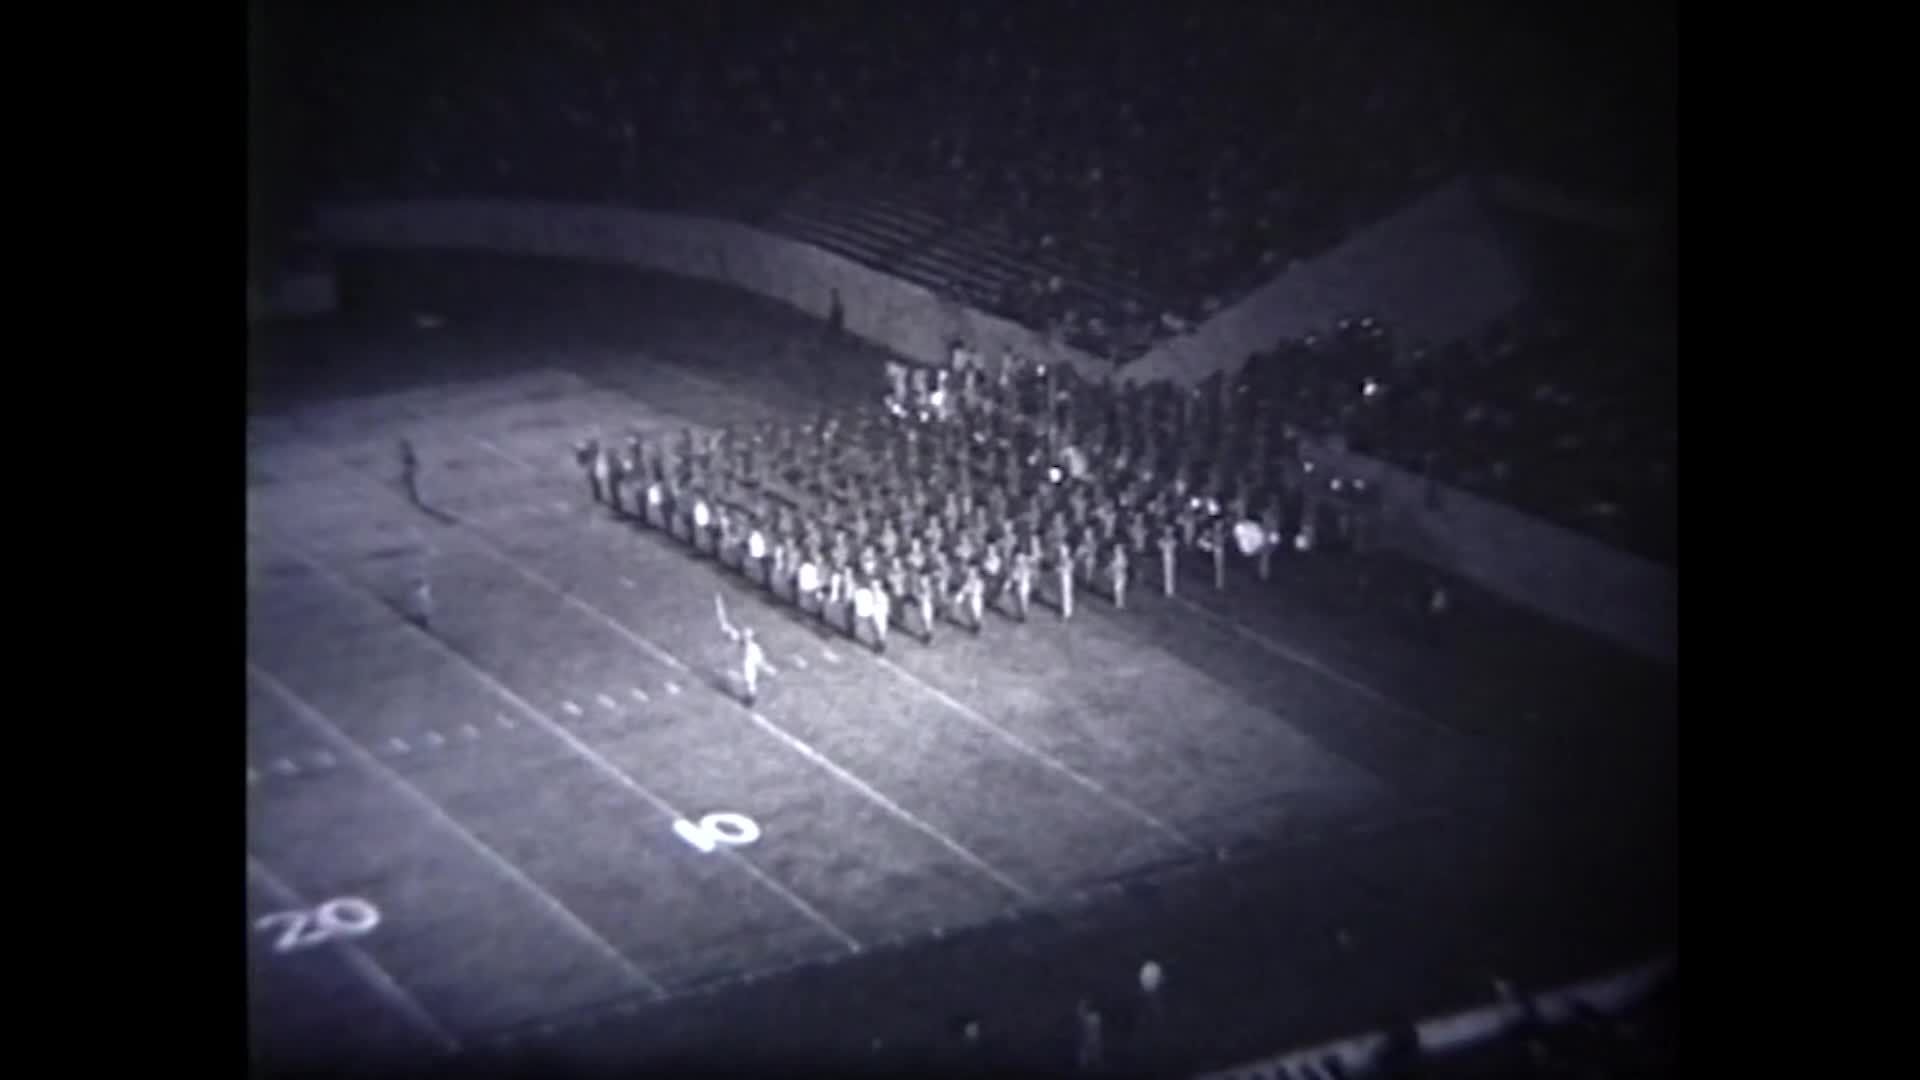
point(346, 917)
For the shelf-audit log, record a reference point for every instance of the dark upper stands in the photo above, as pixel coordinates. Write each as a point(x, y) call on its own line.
point(1112, 169)
point(1558, 419)
point(1115, 183)
point(1105, 169)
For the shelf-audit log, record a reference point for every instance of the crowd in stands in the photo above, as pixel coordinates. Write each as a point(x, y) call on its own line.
point(1200, 159)
point(1193, 151)
point(1197, 151)
point(1558, 420)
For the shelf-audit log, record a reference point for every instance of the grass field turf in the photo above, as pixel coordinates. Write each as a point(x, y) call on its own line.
point(510, 805)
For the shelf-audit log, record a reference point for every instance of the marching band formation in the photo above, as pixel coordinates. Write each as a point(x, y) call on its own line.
point(966, 492)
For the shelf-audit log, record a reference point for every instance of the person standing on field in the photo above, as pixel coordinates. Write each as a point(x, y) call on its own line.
point(410, 471)
point(753, 660)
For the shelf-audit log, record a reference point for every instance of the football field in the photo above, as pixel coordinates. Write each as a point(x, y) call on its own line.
point(545, 817)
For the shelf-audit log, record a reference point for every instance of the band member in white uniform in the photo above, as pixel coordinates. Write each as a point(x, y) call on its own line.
point(1063, 569)
point(1022, 583)
point(806, 589)
point(1217, 539)
point(870, 607)
point(602, 475)
point(925, 585)
point(1169, 556)
point(753, 660)
point(654, 513)
point(973, 594)
point(758, 573)
point(702, 518)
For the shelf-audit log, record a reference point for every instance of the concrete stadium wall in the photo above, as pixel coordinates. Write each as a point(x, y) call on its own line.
point(1559, 573)
point(296, 295)
point(1527, 196)
point(1445, 1035)
point(900, 316)
point(1628, 600)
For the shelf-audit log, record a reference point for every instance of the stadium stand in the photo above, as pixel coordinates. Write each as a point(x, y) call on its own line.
point(1075, 174)
point(1109, 186)
point(1553, 419)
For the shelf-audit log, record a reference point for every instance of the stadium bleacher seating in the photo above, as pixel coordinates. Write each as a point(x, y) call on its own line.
point(1558, 422)
point(1107, 173)
point(1076, 169)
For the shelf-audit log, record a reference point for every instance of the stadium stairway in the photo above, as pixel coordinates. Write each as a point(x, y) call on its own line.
point(988, 260)
point(858, 216)
point(908, 230)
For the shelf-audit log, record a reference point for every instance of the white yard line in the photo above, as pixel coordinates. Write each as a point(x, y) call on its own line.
point(492, 448)
point(1294, 656)
point(661, 654)
point(606, 767)
point(952, 845)
point(362, 964)
point(1048, 760)
point(495, 449)
point(905, 940)
point(1265, 642)
point(326, 729)
point(761, 410)
point(1137, 812)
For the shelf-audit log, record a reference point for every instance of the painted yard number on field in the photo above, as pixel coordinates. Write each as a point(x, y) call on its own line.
point(713, 830)
point(346, 917)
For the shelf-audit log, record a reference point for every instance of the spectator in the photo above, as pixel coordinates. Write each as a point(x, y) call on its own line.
point(1090, 1055)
